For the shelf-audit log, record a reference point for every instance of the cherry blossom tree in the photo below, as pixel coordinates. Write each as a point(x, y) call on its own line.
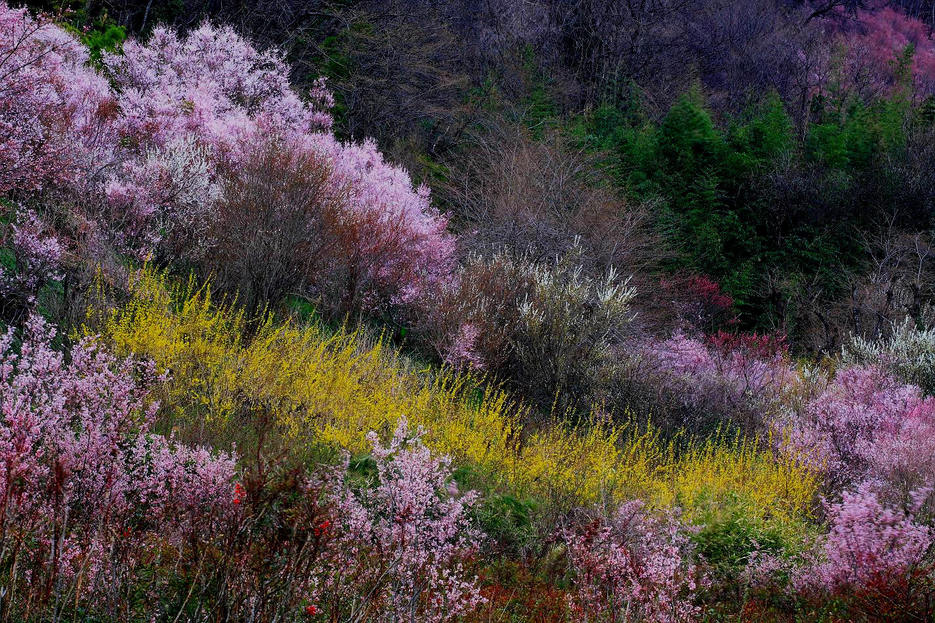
point(85, 486)
point(402, 547)
point(633, 566)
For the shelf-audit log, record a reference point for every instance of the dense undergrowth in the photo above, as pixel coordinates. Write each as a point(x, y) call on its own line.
point(333, 387)
point(627, 355)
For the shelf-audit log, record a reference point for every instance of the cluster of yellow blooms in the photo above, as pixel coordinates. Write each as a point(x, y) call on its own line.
point(330, 389)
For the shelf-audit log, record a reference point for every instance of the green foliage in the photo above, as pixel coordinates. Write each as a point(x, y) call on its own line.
point(730, 533)
point(689, 143)
point(766, 137)
point(508, 521)
point(362, 470)
point(852, 141)
point(540, 107)
point(747, 199)
point(107, 38)
point(7, 259)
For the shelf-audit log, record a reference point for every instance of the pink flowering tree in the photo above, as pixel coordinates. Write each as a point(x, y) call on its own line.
point(36, 260)
point(56, 114)
point(192, 104)
point(868, 544)
point(875, 561)
point(187, 103)
point(396, 242)
point(735, 378)
point(143, 159)
point(401, 550)
point(87, 491)
point(212, 85)
point(876, 39)
point(633, 566)
point(902, 458)
point(864, 423)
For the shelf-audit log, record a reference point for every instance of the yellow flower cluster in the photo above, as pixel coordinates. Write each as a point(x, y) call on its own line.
point(332, 389)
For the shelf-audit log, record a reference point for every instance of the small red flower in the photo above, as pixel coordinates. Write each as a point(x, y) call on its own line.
point(311, 610)
point(322, 528)
point(239, 493)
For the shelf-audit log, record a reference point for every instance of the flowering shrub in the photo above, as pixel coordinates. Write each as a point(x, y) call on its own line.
point(394, 243)
point(87, 492)
point(876, 39)
point(633, 567)
point(214, 90)
point(908, 353)
point(166, 195)
point(402, 546)
point(36, 259)
point(868, 544)
point(332, 388)
point(338, 225)
point(187, 104)
point(56, 114)
point(875, 561)
point(863, 423)
point(546, 327)
point(93, 504)
point(902, 458)
point(148, 155)
point(735, 378)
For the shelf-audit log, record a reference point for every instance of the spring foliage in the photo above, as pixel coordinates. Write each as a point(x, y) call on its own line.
point(144, 149)
point(203, 459)
point(86, 487)
point(332, 388)
point(634, 565)
point(402, 546)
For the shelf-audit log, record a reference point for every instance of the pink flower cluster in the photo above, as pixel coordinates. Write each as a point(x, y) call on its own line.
point(884, 34)
point(865, 424)
point(873, 41)
point(211, 85)
point(875, 560)
point(462, 351)
point(633, 567)
point(145, 154)
point(400, 548)
point(403, 247)
point(868, 544)
point(189, 103)
point(37, 255)
point(727, 374)
point(80, 471)
point(56, 115)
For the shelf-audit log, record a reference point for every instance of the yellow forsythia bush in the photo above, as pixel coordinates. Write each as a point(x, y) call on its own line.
point(333, 389)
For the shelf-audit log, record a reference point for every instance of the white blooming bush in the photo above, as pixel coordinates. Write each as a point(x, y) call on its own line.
point(909, 353)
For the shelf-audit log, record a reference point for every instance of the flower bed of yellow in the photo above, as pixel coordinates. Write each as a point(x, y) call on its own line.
point(334, 388)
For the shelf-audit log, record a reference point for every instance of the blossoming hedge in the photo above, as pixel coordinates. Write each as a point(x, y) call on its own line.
point(331, 388)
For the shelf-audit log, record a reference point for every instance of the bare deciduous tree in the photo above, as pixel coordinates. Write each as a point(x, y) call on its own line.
point(274, 225)
point(535, 197)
